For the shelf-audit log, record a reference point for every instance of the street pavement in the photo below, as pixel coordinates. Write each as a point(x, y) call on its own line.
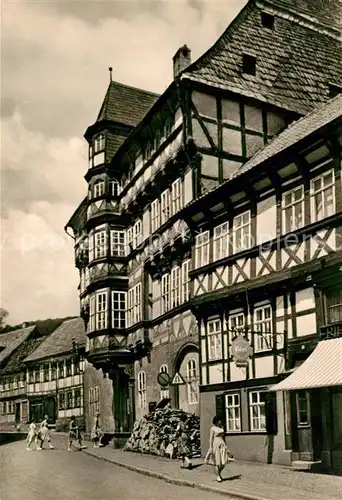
point(61, 475)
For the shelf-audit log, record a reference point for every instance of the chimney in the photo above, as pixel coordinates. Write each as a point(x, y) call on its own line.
point(181, 60)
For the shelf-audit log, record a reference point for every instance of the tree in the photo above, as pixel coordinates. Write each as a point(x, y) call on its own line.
point(3, 316)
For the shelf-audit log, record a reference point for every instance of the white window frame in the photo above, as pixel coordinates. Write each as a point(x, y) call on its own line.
point(101, 309)
point(186, 268)
point(322, 191)
point(177, 196)
point(99, 143)
point(134, 305)
point(242, 232)
point(137, 234)
point(202, 249)
point(165, 295)
point(233, 412)
point(99, 188)
point(192, 381)
point(165, 209)
point(164, 393)
point(290, 208)
point(257, 411)
point(118, 310)
point(236, 324)
point(114, 187)
point(214, 330)
point(155, 215)
point(117, 243)
point(221, 241)
point(129, 240)
point(263, 325)
point(142, 391)
point(100, 244)
point(175, 282)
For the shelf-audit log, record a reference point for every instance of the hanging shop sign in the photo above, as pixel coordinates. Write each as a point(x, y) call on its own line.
point(241, 351)
point(163, 379)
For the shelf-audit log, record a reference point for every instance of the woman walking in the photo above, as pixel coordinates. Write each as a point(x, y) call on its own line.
point(184, 442)
point(31, 435)
point(96, 433)
point(74, 433)
point(217, 448)
point(44, 434)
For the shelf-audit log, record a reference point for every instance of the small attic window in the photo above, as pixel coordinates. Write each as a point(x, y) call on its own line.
point(334, 90)
point(267, 20)
point(248, 64)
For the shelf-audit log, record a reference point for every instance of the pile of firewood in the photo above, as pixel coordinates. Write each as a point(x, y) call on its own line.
point(155, 433)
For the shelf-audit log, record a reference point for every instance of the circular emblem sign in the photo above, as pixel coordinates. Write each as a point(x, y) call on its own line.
point(163, 379)
point(241, 351)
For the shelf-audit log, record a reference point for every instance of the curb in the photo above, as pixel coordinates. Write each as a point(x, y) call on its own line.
point(178, 482)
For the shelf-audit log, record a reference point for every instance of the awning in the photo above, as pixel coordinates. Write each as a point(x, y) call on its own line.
point(323, 368)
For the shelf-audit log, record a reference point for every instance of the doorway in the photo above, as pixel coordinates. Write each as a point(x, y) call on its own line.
point(49, 408)
point(17, 413)
point(307, 424)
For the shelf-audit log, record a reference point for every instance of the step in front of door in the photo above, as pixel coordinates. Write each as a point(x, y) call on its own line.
point(306, 465)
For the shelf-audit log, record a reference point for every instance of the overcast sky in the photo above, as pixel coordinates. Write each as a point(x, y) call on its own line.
point(54, 64)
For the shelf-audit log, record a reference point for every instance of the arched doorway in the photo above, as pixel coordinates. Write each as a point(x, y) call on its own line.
point(186, 363)
point(49, 408)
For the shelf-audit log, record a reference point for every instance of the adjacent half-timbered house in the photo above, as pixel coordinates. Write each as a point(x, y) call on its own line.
point(277, 61)
point(267, 284)
point(54, 376)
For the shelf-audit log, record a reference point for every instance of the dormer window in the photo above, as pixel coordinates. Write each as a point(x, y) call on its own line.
point(99, 143)
point(99, 188)
point(267, 20)
point(248, 64)
point(114, 188)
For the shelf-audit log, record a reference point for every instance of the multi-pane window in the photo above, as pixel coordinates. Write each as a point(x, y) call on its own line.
point(236, 324)
point(117, 243)
point(114, 188)
point(137, 234)
point(77, 398)
point(155, 215)
point(134, 305)
point(61, 372)
point(99, 189)
point(263, 328)
point(186, 268)
point(53, 371)
point(61, 401)
point(303, 407)
point(31, 377)
point(165, 305)
point(176, 196)
point(293, 209)
point(100, 244)
point(164, 393)
point(233, 412)
point(322, 196)
point(175, 286)
point(101, 310)
point(192, 381)
point(68, 367)
point(69, 400)
point(334, 305)
point(142, 395)
point(118, 309)
point(37, 375)
point(221, 241)
point(46, 373)
point(99, 143)
point(202, 249)
point(129, 240)
point(257, 410)
point(76, 367)
point(214, 339)
point(241, 232)
point(94, 400)
point(165, 206)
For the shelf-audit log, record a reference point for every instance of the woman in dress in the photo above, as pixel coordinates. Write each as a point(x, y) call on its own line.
point(218, 448)
point(184, 442)
point(96, 433)
point(44, 434)
point(74, 433)
point(31, 435)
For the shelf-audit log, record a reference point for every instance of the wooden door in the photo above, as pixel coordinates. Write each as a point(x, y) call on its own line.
point(49, 408)
point(303, 427)
point(17, 413)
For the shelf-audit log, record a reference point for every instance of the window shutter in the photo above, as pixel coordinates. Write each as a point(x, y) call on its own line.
point(271, 413)
point(221, 409)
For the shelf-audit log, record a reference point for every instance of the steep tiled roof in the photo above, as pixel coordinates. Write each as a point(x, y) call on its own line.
point(13, 364)
point(12, 341)
point(126, 105)
point(326, 12)
point(298, 130)
point(79, 218)
point(294, 62)
point(60, 341)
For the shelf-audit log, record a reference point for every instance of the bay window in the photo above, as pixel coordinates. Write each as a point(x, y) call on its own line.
point(202, 249)
point(214, 339)
point(99, 189)
point(99, 143)
point(322, 196)
point(114, 188)
point(98, 311)
point(118, 309)
point(100, 249)
point(293, 209)
point(117, 243)
point(134, 305)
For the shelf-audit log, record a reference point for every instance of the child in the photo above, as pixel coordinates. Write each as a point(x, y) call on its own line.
point(74, 433)
point(96, 433)
point(31, 435)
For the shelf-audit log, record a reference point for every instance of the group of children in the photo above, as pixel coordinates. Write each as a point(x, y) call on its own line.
point(42, 434)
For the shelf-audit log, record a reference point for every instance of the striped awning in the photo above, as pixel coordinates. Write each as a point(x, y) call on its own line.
point(323, 368)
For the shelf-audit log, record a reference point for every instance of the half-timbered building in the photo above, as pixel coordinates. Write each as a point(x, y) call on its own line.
point(277, 61)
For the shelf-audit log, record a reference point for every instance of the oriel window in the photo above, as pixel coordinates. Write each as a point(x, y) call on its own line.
point(99, 143)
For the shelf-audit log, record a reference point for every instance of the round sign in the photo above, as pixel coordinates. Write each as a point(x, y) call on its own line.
point(163, 379)
point(241, 350)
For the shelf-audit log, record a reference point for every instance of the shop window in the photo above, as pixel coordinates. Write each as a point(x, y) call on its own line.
point(293, 209)
point(142, 393)
point(257, 411)
point(322, 196)
point(334, 305)
point(214, 339)
point(233, 413)
point(192, 381)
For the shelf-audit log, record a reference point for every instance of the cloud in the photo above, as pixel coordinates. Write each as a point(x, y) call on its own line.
point(55, 58)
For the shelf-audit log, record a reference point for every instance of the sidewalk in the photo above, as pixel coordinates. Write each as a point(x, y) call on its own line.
point(242, 480)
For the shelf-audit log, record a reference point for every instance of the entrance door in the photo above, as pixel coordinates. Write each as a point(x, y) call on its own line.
point(49, 408)
point(17, 413)
point(309, 424)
